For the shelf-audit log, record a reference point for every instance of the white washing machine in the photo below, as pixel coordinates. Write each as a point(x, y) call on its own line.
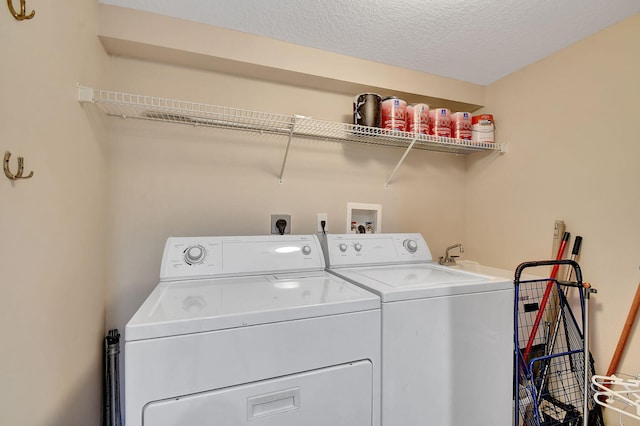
point(447, 335)
point(252, 331)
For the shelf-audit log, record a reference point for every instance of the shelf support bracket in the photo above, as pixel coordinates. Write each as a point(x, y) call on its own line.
point(286, 152)
point(85, 94)
point(406, 152)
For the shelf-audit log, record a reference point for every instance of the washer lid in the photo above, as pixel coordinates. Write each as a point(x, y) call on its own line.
point(415, 281)
point(193, 306)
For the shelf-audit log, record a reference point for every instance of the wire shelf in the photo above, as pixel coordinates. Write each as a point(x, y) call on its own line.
point(127, 105)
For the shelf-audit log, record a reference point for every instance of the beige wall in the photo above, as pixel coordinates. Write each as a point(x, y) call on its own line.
point(117, 197)
point(572, 124)
point(52, 268)
point(172, 180)
point(168, 179)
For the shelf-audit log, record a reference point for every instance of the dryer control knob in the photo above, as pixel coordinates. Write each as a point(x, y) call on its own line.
point(194, 254)
point(357, 246)
point(306, 250)
point(343, 247)
point(410, 245)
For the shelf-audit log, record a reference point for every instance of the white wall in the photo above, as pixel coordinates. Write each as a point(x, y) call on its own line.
point(572, 124)
point(52, 267)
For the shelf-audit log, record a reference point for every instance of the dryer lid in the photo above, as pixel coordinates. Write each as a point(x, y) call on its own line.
point(194, 306)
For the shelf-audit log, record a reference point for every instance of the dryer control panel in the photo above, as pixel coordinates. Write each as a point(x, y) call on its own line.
point(374, 249)
point(207, 257)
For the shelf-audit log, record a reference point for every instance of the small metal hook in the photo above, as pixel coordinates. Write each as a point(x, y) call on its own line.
point(23, 11)
point(18, 175)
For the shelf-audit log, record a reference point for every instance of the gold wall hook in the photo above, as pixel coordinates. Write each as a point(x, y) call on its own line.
point(22, 15)
point(18, 175)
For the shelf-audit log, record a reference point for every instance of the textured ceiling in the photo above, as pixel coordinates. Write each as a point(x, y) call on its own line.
point(470, 40)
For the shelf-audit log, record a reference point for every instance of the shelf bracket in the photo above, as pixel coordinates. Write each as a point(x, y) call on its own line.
point(85, 94)
point(406, 152)
point(286, 152)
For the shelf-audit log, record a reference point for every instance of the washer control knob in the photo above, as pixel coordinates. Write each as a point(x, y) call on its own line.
point(343, 247)
point(357, 246)
point(410, 245)
point(306, 250)
point(194, 254)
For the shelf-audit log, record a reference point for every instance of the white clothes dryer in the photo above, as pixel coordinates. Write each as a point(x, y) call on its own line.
point(252, 331)
point(446, 334)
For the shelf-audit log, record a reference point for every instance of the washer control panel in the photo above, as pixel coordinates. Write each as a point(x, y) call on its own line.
point(202, 257)
point(371, 249)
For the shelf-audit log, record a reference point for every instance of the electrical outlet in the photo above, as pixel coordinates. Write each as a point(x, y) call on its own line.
point(275, 218)
point(321, 217)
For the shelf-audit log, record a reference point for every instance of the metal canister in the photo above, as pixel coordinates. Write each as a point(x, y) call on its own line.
point(366, 110)
point(440, 122)
point(461, 125)
point(482, 128)
point(418, 118)
point(394, 113)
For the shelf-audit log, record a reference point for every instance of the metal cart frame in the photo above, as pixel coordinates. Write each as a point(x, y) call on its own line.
point(551, 385)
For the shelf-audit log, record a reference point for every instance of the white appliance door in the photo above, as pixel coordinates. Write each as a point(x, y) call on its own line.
point(447, 361)
point(337, 396)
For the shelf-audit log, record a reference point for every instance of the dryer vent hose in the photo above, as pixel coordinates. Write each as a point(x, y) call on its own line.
point(111, 415)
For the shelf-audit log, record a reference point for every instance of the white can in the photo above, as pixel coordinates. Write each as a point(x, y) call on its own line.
point(483, 128)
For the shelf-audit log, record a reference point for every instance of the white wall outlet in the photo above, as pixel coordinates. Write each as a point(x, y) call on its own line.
point(276, 223)
point(321, 217)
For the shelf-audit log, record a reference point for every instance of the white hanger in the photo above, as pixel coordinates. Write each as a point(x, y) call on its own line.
point(619, 394)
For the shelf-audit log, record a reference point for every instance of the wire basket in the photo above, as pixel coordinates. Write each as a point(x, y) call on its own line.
point(552, 379)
